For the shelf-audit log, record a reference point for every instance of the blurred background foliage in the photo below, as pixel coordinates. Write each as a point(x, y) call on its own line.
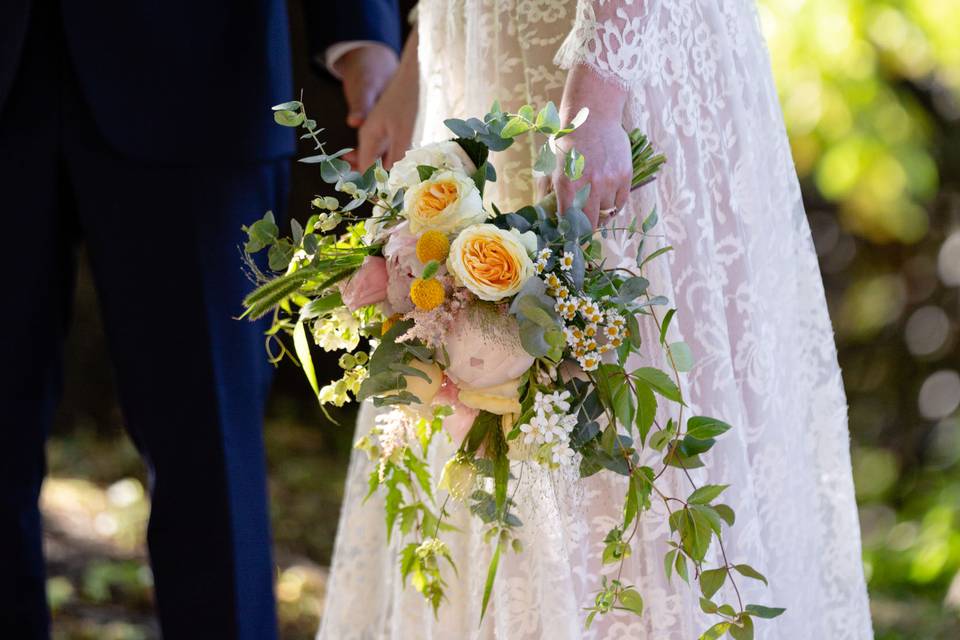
point(871, 97)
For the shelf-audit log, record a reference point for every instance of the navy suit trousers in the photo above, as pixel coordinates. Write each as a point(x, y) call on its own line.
point(163, 240)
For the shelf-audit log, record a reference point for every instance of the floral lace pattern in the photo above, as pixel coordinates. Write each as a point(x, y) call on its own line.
point(744, 278)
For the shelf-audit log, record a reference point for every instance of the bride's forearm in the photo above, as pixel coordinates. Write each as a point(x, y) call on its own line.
point(584, 87)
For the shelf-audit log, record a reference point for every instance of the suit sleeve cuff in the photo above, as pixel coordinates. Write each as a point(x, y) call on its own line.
point(335, 52)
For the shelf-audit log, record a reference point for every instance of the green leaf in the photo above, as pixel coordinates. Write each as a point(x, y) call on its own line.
point(515, 126)
point(668, 561)
point(288, 118)
point(703, 427)
point(656, 254)
point(726, 513)
point(459, 128)
point(425, 171)
point(707, 606)
point(711, 581)
point(573, 165)
point(682, 356)
point(630, 599)
point(293, 105)
point(716, 631)
point(680, 565)
point(768, 613)
point(319, 306)
point(623, 404)
point(430, 269)
point(666, 324)
point(650, 222)
point(646, 410)
point(302, 348)
point(706, 493)
point(548, 120)
point(631, 289)
point(744, 632)
point(749, 572)
point(546, 160)
point(491, 576)
point(659, 382)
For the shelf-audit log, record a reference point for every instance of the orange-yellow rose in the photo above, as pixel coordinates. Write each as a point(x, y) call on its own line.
point(491, 262)
point(448, 201)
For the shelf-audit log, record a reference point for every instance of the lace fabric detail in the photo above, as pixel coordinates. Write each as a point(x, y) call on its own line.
point(607, 36)
point(744, 278)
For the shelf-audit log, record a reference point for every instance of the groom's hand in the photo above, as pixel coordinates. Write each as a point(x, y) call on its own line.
point(365, 72)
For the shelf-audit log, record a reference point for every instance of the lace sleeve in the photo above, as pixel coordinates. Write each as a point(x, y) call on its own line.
point(606, 37)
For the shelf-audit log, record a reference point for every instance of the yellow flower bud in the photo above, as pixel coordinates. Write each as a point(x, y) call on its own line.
point(427, 294)
point(388, 323)
point(433, 245)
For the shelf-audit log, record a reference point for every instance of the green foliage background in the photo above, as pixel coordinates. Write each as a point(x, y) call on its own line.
point(871, 97)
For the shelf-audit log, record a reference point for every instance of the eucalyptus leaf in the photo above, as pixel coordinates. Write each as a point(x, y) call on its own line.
point(546, 160)
point(288, 118)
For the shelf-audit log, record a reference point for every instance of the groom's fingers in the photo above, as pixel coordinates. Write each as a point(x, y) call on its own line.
point(370, 146)
point(360, 100)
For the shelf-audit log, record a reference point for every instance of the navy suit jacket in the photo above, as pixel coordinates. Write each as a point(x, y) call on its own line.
point(188, 81)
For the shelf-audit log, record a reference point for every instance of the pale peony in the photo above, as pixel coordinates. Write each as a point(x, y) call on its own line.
point(425, 391)
point(491, 262)
point(501, 399)
point(446, 155)
point(483, 348)
point(367, 286)
point(447, 202)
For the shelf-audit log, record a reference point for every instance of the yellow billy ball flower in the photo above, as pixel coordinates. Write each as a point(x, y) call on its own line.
point(427, 294)
point(433, 245)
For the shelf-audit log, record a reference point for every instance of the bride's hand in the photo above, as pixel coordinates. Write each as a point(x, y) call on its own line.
point(388, 130)
point(601, 139)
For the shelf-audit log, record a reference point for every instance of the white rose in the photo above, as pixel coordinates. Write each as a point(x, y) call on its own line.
point(447, 202)
point(446, 155)
point(491, 262)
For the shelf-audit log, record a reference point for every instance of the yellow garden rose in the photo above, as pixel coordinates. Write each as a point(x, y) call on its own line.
point(447, 202)
point(491, 262)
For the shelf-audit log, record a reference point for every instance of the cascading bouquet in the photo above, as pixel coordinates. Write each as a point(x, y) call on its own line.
point(505, 331)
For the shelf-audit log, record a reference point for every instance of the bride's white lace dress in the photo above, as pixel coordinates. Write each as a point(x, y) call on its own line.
point(744, 277)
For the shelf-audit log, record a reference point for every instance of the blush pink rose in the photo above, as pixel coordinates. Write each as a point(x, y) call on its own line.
point(402, 267)
point(457, 425)
point(368, 285)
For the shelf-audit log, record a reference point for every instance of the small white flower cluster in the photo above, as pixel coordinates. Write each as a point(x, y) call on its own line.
point(339, 331)
point(541, 262)
point(548, 431)
point(602, 330)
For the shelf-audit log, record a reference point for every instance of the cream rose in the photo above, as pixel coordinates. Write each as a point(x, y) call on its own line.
point(491, 262)
point(447, 202)
point(446, 155)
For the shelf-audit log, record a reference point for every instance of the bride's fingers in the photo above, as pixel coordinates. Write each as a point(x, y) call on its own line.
point(542, 186)
point(565, 191)
point(623, 196)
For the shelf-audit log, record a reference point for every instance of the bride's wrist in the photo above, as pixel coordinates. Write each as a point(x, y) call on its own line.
point(585, 87)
